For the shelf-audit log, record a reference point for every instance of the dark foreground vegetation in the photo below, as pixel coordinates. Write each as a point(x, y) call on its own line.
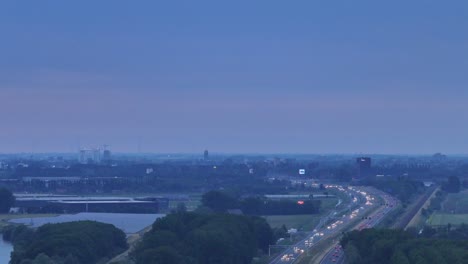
point(83, 242)
point(387, 246)
point(204, 239)
point(7, 200)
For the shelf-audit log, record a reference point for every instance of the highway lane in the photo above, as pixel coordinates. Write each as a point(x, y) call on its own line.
point(336, 254)
point(360, 203)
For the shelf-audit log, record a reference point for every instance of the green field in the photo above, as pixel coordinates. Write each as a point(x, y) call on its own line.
point(328, 204)
point(300, 222)
point(444, 219)
point(456, 203)
point(7, 217)
point(191, 204)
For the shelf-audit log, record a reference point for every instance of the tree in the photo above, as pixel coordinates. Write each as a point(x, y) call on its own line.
point(218, 201)
point(452, 185)
point(203, 238)
point(399, 257)
point(280, 232)
point(352, 254)
point(7, 200)
point(70, 259)
point(82, 241)
point(181, 207)
point(161, 255)
point(263, 233)
point(387, 246)
point(43, 259)
point(252, 206)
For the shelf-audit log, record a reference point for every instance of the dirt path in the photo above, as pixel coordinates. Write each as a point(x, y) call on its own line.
point(417, 217)
point(132, 241)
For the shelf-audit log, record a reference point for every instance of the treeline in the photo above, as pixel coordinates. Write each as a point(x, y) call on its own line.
point(183, 237)
point(443, 232)
point(385, 246)
point(263, 206)
point(435, 204)
point(82, 242)
point(221, 202)
point(402, 187)
point(131, 178)
point(452, 185)
point(7, 200)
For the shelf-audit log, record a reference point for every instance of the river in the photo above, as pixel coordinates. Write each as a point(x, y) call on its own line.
point(5, 250)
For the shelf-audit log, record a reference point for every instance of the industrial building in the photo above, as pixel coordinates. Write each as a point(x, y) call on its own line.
point(76, 204)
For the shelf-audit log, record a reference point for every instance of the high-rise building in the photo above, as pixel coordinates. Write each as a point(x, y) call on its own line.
point(91, 155)
point(96, 155)
point(364, 162)
point(106, 156)
point(205, 155)
point(83, 157)
point(364, 166)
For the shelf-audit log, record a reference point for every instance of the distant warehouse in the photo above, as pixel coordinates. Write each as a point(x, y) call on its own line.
point(130, 206)
point(76, 204)
point(297, 196)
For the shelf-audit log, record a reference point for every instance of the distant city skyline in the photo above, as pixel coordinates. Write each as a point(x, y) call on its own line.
point(239, 77)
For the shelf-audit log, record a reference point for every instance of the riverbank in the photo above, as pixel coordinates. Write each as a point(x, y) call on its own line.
point(6, 218)
point(5, 250)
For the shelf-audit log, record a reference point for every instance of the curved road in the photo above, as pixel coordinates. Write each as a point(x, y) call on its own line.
point(362, 202)
point(336, 254)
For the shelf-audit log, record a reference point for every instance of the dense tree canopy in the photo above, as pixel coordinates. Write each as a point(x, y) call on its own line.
point(398, 247)
point(262, 206)
point(203, 239)
point(452, 185)
point(219, 201)
point(7, 200)
point(83, 242)
point(402, 188)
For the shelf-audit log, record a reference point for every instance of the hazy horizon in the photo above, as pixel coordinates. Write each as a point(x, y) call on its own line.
point(221, 153)
point(243, 77)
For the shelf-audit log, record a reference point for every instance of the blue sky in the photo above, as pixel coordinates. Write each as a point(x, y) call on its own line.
point(235, 76)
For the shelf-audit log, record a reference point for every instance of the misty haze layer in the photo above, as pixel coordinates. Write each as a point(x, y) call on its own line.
point(263, 76)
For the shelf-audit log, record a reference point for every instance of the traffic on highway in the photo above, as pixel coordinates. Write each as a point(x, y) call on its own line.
point(336, 253)
point(362, 200)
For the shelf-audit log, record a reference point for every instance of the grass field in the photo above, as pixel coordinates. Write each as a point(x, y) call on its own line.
point(456, 203)
point(328, 203)
point(191, 205)
point(300, 222)
point(7, 217)
point(444, 219)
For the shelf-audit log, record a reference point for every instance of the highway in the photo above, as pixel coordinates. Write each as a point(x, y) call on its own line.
point(335, 254)
point(362, 201)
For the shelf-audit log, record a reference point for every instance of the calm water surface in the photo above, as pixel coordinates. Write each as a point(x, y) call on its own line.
point(5, 250)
